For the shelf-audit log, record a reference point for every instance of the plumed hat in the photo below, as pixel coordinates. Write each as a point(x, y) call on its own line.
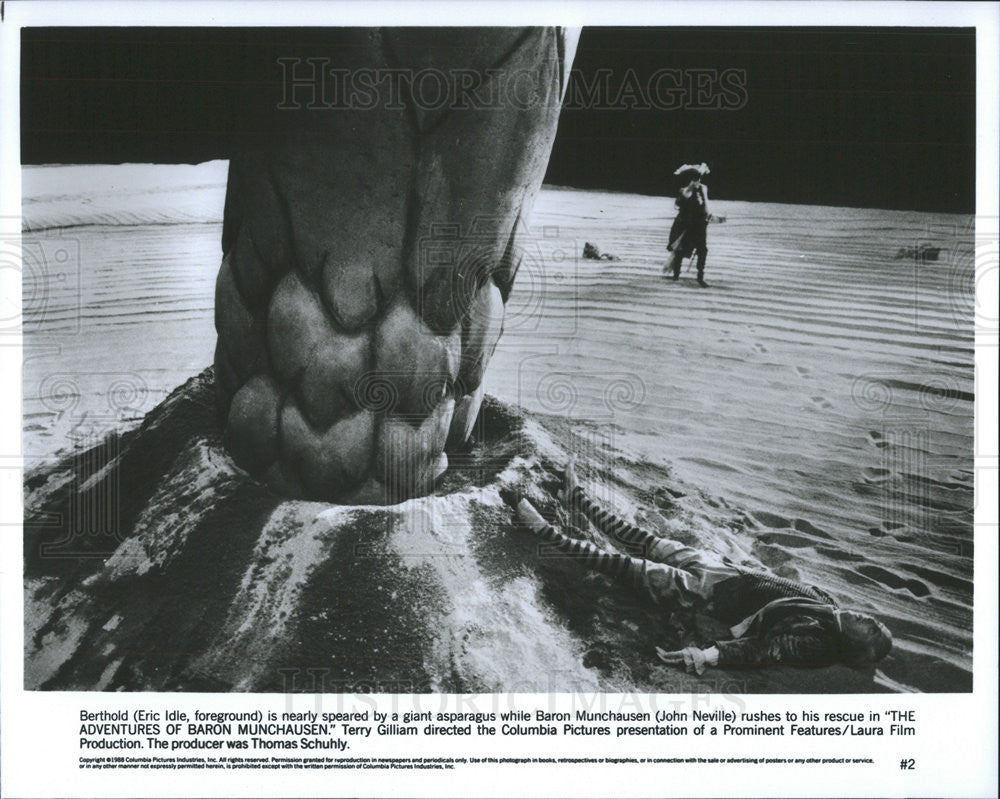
point(702, 169)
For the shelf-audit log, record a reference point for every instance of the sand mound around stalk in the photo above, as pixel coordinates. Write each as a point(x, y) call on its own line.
point(153, 563)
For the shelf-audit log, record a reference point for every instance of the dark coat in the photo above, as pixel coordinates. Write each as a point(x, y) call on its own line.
point(688, 231)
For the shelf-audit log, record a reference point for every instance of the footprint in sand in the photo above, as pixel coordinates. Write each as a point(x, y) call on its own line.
point(804, 526)
point(803, 371)
point(874, 475)
point(860, 575)
point(893, 580)
point(771, 519)
point(889, 529)
point(876, 438)
point(941, 578)
point(834, 553)
point(822, 402)
point(786, 540)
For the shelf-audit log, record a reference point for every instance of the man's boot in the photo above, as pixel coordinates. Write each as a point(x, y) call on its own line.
point(701, 269)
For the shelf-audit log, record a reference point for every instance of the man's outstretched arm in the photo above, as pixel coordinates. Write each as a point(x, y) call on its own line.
point(790, 649)
point(793, 649)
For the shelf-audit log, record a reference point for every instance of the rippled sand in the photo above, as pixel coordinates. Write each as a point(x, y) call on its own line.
point(819, 395)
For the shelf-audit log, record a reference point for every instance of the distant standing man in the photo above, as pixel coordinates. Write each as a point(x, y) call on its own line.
point(688, 233)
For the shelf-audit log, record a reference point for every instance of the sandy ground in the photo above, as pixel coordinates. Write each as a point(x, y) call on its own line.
point(819, 394)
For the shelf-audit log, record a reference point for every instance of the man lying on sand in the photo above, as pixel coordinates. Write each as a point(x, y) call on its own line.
point(775, 620)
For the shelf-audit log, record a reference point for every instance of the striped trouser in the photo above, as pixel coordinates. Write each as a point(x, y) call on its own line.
point(613, 564)
point(627, 536)
point(668, 571)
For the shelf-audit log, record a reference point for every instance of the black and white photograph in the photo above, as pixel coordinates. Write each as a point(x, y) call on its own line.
point(534, 359)
point(498, 359)
point(447, 388)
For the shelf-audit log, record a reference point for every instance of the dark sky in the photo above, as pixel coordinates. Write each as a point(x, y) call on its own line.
point(854, 117)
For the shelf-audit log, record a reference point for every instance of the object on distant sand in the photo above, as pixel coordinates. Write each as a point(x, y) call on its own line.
point(925, 252)
point(594, 254)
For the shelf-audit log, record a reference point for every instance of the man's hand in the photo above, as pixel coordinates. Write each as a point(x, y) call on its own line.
point(694, 659)
point(670, 658)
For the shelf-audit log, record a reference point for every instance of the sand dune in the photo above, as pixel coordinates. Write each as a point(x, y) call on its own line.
point(819, 396)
